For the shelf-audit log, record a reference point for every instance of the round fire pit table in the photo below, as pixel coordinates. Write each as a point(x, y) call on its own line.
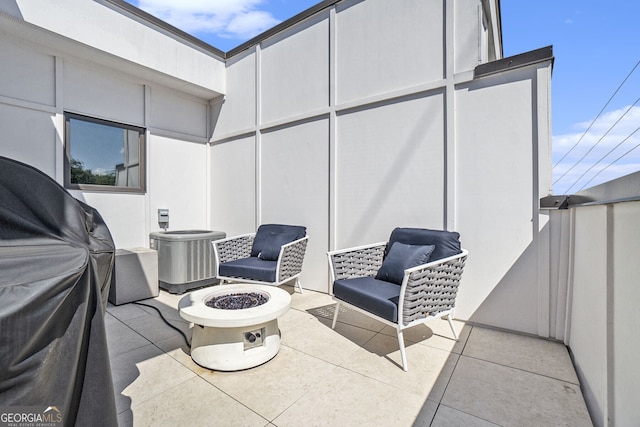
point(232, 338)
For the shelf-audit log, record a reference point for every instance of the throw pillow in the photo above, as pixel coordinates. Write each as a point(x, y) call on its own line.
point(400, 257)
point(271, 249)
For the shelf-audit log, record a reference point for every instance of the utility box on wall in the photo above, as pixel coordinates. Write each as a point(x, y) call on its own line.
point(136, 272)
point(185, 258)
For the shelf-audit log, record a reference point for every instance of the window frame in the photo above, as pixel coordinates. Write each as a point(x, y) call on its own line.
point(142, 142)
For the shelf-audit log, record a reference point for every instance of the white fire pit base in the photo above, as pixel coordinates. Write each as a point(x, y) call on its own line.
point(231, 340)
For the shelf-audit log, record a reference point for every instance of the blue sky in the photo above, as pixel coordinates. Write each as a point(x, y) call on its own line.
point(596, 45)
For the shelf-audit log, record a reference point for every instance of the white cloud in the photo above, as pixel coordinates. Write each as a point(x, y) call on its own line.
point(101, 171)
point(239, 19)
point(601, 145)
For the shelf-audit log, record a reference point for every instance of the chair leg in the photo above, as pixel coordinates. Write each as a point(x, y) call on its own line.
point(455, 334)
point(403, 352)
point(335, 315)
point(298, 285)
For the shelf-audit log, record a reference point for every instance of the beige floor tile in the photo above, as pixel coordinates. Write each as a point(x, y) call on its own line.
point(194, 403)
point(121, 338)
point(449, 417)
point(523, 352)
point(348, 316)
point(151, 306)
point(426, 414)
point(512, 397)
point(271, 388)
point(154, 328)
point(125, 312)
point(429, 368)
point(292, 320)
point(308, 299)
point(435, 333)
point(349, 399)
point(177, 348)
point(144, 373)
point(169, 299)
point(316, 338)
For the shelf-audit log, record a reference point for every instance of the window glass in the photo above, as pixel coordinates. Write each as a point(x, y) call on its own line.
point(102, 155)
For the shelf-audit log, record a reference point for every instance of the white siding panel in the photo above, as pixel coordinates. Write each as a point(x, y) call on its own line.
point(626, 294)
point(177, 172)
point(388, 45)
point(294, 186)
point(28, 136)
point(233, 186)
point(588, 338)
point(495, 201)
point(92, 91)
point(238, 111)
point(124, 214)
point(26, 74)
point(295, 72)
point(390, 170)
point(177, 112)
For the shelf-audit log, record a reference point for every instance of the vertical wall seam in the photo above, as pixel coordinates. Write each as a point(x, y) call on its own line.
point(258, 136)
point(60, 150)
point(448, 202)
point(609, 411)
point(570, 276)
point(146, 106)
point(332, 130)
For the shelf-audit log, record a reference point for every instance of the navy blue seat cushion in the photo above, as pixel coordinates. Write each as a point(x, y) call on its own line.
point(252, 268)
point(400, 257)
point(375, 296)
point(447, 243)
point(271, 249)
point(266, 231)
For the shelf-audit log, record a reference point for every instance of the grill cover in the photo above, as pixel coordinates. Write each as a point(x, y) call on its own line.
point(56, 265)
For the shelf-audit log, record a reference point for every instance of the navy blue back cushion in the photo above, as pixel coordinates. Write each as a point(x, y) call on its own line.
point(447, 243)
point(402, 256)
point(271, 249)
point(266, 231)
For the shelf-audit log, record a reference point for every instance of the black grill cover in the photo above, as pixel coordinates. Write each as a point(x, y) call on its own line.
point(56, 265)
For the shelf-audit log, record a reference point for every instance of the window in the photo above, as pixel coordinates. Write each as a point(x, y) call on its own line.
point(103, 155)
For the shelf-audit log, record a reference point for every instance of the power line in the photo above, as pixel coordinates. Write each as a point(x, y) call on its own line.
point(613, 162)
point(596, 144)
point(599, 160)
point(596, 118)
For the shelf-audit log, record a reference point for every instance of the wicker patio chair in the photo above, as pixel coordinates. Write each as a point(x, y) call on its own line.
point(409, 280)
point(273, 255)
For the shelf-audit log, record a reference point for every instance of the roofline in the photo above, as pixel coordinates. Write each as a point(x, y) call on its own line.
point(121, 4)
point(499, 18)
point(282, 26)
point(513, 62)
point(139, 13)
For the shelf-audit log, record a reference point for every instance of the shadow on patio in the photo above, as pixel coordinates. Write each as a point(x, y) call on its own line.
point(350, 376)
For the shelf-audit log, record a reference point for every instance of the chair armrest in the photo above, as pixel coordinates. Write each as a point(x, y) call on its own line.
point(430, 289)
point(360, 261)
point(233, 248)
point(291, 258)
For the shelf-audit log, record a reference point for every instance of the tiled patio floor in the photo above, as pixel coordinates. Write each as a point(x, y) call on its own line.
point(350, 376)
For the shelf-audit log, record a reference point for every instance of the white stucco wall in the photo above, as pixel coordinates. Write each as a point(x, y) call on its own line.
point(601, 243)
point(123, 38)
point(402, 135)
point(361, 118)
point(38, 86)
point(496, 213)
